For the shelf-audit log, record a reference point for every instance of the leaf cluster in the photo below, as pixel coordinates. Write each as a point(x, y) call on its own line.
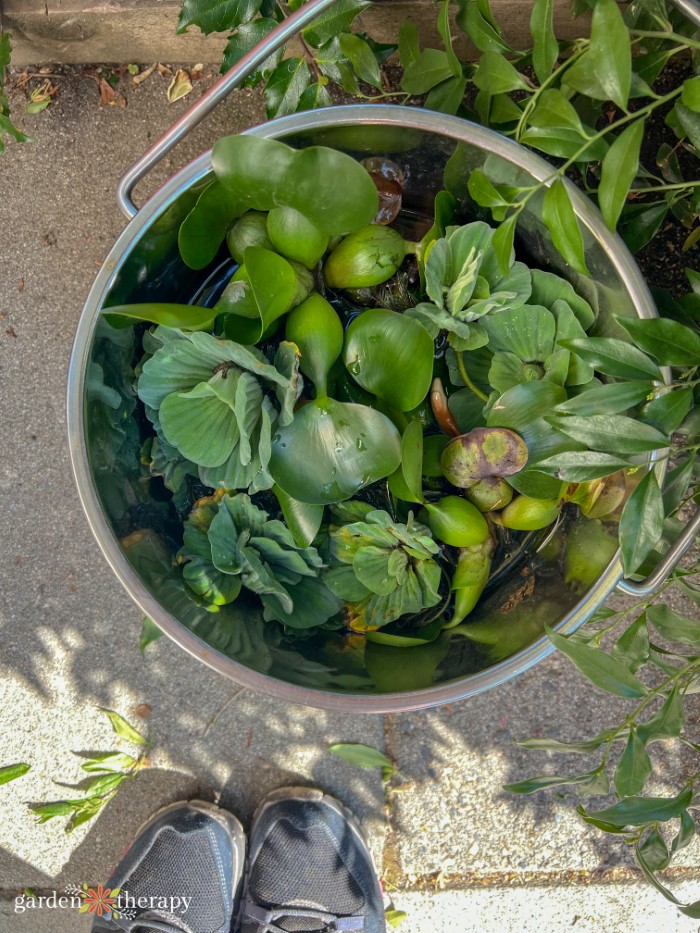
point(7, 127)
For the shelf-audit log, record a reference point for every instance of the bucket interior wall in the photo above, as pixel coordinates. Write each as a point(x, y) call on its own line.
point(531, 592)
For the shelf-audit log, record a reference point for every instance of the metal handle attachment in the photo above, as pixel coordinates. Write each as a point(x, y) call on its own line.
point(286, 30)
point(667, 563)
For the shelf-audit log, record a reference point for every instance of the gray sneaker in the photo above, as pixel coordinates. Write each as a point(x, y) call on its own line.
point(182, 873)
point(309, 869)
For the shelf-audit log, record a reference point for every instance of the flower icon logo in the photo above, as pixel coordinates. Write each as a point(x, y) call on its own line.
point(99, 901)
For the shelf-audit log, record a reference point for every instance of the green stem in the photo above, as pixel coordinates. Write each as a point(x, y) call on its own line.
point(685, 41)
point(465, 377)
point(529, 107)
point(676, 187)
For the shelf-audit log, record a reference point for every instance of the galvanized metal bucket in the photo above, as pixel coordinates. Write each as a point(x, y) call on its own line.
point(144, 264)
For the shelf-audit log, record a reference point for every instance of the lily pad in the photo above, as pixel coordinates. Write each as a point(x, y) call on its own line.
point(203, 230)
point(333, 449)
point(391, 356)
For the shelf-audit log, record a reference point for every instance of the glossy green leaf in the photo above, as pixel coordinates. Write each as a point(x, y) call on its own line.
point(600, 668)
point(614, 357)
point(12, 772)
point(302, 518)
point(545, 48)
point(690, 95)
point(604, 71)
point(676, 484)
point(633, 768)
point(409, 44)
point(496, 75)
point(315, 96)
point(476, 19)
point(262, 290)
point(285, 86)
point(581, 466)
point(654, 850)
point(578, 748)
point(563, 142)
point(333, 449)
point(667, 341)
point(428, 70)
point(561, 221)
point(667, 412)
point(641, 524)
point(336, 67)
point(686, 833)
point(611, 433)
point(632, 647)
point(641, 223)
point(502, 242)
point(619, 170)
point(447, 96)
point(149, 633)
point(203, 230)
point(361, 58)
point(252, 169)
point(610, 399)
point(444, 30)
point(363, 756)
point(640, 811)
point(530, 785)
point(315, 328)
point(245, 38)
point(668, 721)
point(184, 317)
point(391, 356)
point(674, 626)
point(122, 728)
point(216, 15)
point(334, 21)
point(407, 483)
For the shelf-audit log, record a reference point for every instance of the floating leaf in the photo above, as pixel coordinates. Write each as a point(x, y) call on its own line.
point(391, 356)
point(185, 317)
point(407, 482)
point(333, 449)
point(315, 328)
point(303, 518)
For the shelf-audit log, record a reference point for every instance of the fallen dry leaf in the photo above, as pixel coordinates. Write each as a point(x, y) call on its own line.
point(139, 78)
point(164, 71)
point(143, 710)
point(180, 86)
point(20, 285)
point(11, 332)
point(106, 93)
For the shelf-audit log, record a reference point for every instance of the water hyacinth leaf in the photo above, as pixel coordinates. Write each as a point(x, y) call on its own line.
point(611, 399)
point(251, 168)
point(634, 767)
point(12, 772)
point(315, 328)
point(669, 342)
point(674, 626)
point(641, 811)
point(614, 433)
point(604, 71)
point(411, 469)
point(545, 49)
point(391, 356)
point(667, 722)
point(122, 728)
point(600, 668)
point(216, 15)
point(184, 317)
point(269, 288)
point(203, 230)
point(333, 449)
point(614, 357)
point(641, 524)
point(303, 518)
point(431, 68)
point(561, 221)
point(362, 756)
point(482, 453)
point(667, 412)
point(619, 170)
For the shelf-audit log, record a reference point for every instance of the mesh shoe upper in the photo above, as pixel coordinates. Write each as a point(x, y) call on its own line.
point(309, 870)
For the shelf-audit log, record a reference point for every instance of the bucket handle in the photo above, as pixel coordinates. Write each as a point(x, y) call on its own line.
point(281, 34)
point(668, 562)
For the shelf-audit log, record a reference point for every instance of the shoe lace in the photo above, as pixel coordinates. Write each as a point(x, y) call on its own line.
point(266, 919)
